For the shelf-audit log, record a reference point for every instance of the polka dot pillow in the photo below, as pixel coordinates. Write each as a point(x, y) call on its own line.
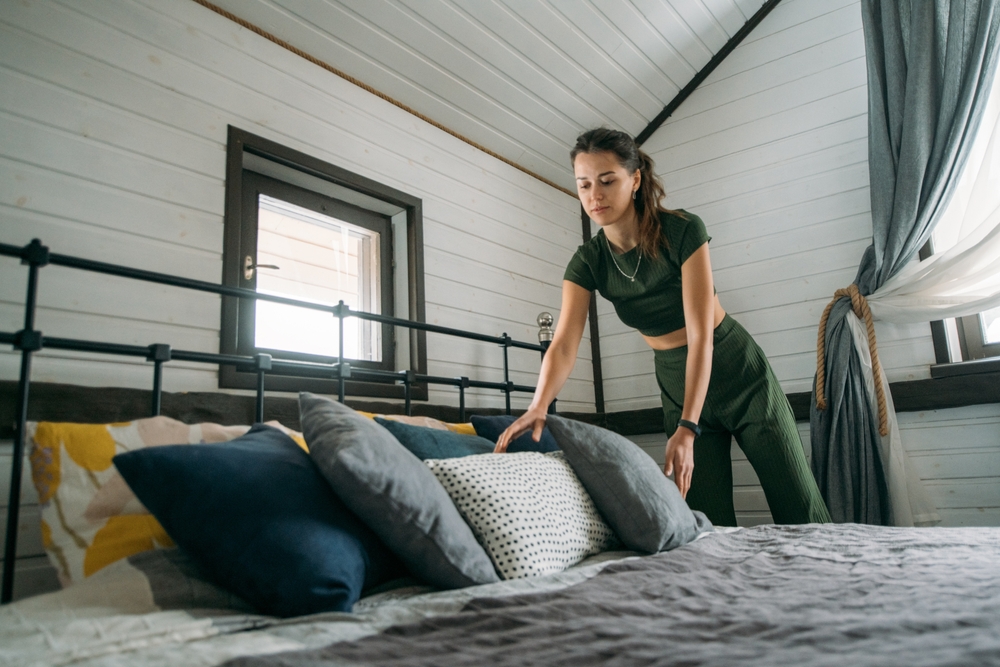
point(528, 510)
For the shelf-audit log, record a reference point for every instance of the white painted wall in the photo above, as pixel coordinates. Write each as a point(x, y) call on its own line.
point(771, 151)
point(113, 117)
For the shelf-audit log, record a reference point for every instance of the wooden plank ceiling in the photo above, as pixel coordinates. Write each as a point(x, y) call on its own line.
point(520, 77)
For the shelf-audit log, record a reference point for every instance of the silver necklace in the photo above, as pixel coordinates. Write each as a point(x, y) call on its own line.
point(612, 253)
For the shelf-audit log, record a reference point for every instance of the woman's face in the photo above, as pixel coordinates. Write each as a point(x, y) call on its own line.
point(605, 187)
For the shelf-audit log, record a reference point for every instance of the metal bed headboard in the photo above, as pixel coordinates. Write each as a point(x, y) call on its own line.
point(29, 340)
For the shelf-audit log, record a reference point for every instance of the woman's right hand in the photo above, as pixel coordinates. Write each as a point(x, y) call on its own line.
point(533, 420)
point(556, 365)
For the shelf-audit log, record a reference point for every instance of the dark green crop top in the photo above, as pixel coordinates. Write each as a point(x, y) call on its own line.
point(653, 303)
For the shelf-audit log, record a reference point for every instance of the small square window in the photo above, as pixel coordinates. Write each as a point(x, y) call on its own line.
point(304, 229)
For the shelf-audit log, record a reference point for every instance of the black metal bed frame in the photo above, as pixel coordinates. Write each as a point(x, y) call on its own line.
point(29, 340)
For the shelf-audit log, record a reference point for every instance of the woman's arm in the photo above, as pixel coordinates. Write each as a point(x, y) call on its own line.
point(698, 293)
point(557, 365)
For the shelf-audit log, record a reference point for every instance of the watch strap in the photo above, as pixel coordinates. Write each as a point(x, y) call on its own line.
point(690, 425)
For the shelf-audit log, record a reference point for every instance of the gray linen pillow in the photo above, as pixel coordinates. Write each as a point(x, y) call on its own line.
point(644, 507)
point(394, 494)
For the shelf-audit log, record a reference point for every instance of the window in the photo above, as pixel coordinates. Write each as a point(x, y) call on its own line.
point(301, 228)
point(958, 339)
point(979, 335)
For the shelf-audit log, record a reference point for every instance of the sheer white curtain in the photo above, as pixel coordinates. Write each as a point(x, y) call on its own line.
point(908, 500)
point(963, 276)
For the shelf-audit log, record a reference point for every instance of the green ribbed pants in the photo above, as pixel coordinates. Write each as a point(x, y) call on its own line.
point(744, 401)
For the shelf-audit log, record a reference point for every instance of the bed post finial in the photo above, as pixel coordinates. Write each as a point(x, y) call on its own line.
point(545, 332)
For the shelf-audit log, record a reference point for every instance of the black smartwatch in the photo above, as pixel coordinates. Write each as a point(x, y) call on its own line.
point(689, 425)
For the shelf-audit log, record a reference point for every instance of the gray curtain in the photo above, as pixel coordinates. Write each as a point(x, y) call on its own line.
point(930, 65)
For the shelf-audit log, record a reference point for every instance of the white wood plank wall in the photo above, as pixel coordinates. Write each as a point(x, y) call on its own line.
point(771, 151)
point(113, 118)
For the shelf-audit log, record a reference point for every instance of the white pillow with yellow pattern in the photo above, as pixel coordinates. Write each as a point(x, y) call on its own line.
point(427, 422)
point(90, 517)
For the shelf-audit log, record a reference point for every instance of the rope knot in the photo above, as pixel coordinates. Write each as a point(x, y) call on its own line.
point(860, 307)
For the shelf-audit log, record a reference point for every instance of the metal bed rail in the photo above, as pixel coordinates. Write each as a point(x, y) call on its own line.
point(29, 340)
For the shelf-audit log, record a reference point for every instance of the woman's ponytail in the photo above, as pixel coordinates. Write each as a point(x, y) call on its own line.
point(648, 207)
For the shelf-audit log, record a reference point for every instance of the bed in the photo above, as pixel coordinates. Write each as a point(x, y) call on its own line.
point(643, 581)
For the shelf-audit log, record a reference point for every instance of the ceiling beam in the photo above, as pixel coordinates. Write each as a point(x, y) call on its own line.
point(733, 42)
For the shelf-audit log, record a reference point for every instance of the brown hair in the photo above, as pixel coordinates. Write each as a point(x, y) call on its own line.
point(651, 192)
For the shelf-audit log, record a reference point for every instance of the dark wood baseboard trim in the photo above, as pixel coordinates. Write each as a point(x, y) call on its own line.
point(99, 405)
point(946, 392)
point(910, 396)
point(103, 405)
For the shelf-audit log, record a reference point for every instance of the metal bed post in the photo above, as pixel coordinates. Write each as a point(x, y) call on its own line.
point(409, 377)
point(262, 364)
point(28, 340)
point(506, 369)
point(463, 385)
point(545, 335)
point(158, 354)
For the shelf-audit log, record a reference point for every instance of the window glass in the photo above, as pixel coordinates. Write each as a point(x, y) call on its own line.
point(323, 260)
point(991, 326)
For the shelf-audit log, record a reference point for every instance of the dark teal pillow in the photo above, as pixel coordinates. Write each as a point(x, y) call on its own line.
point(435, 443)
point(491, 428)
point(256, 514)
point(394, 493)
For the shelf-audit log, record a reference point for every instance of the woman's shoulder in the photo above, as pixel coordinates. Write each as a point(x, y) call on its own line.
point(584, 265)
point(684, 232)
point(590, 251)
point(679, 220)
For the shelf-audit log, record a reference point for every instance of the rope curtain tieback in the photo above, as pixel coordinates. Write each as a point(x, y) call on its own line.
point(860, 306)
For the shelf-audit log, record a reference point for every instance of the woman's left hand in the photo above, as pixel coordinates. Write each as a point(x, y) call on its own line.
point(679, 459)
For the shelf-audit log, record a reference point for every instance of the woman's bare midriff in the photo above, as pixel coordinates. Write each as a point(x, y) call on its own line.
point(678, 338)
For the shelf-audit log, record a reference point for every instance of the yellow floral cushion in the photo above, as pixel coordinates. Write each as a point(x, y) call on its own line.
point(427, 422)
point(90, 517)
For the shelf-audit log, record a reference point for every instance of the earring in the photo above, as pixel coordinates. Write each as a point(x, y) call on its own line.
point(633, 194)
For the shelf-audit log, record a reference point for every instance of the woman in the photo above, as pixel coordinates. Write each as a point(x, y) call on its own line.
point(715, 383)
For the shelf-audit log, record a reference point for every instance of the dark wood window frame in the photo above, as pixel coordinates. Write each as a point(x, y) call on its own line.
point(235, 318)
point(974, 363)
point(972, 337)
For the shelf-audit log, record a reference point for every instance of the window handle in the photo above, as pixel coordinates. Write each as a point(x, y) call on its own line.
point(249, 266)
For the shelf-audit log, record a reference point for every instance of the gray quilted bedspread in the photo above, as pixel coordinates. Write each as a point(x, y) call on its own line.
point(806, 595)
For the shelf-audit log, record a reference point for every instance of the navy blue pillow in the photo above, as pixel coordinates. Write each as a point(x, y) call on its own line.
point(256, 514)
point(491, 428)
point(435, 443)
